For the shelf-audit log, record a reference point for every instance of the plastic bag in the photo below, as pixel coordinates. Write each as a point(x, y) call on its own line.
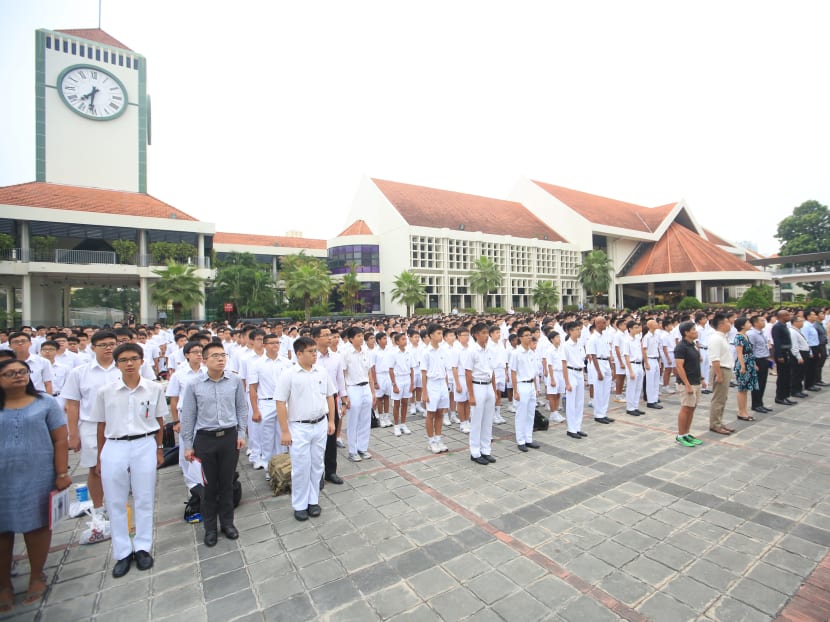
point(98, 529)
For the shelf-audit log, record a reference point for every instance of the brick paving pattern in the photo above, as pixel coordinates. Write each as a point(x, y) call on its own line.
point(624, 525)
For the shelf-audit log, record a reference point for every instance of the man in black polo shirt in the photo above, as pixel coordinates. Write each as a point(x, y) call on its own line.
point(687, 370)
point(782, 346)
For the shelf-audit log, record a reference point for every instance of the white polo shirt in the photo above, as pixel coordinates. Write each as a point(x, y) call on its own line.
point(83, 384)
point(129, 412)
point(304, 392)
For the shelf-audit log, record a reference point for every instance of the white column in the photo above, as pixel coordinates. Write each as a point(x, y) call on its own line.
point(200, 308)
point(200, 250)
point(65, 295)
point(144, 301)
point(142, 250)
point(699, 290)
point(26, 317)
point(612, 295)
point(620, 297)
point(9, 306)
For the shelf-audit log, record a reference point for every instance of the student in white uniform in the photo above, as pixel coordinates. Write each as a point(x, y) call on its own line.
point(523, 363)
point(130, 417)
point(48, 351)
point(618, 348)
point(480, 378)
point(40, 370)
point(599, 355)
point(498, 356)
point(175, 391)
point(305, 408)
point(458, 355)
point(359, 375)
point(555, 381)
point(401, 375)
point(651, 365)
point(704, 332)
point(263, 375)
point(633, 355)
point(383, 383)
point(435, 380)
point(573, 361)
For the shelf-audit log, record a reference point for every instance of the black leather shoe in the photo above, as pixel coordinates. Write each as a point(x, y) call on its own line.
point(654, 405)
point(766, 410)
point(574, 435)
point(211, 538)
point(800, 394)
point(790, 402)
point(706, 391)
point(488, 458)
point(322, 482)
point(785, 402)
point(814, 389)
point(143, 560)
point(533, 445)
point(633, 413)
point(479, 459)
point(314, 510)
point(301, 514)
point(231, 533)
point(582, 434)
point(334, 478)
point(122, 566)
point(610, 420)
point(602, 420)
point(759, 409)
point(522, 447)
point(640, 411)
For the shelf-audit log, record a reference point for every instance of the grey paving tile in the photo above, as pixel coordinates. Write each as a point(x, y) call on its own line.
point(520, 605)
point(374, 578)
point(228, 583)
point(357, 611)
point(278, 589)
point(134, 587)
point(221, 564)
point(613, 553)
point(648, 570)
point(321, 572)
point(584, 608)
point(393, 600)
point(132, 612)
point(232, 606)
point(422, 613)
point(69, 609)
point(731, 610)
point(466, 567)
point(662, 608)
point(776, 578)
point(412, 562)
point(759, 596)
point(270, 567)
point(297, 609)
point(589, 568)
point(431, 582)
point(456, 604)
point(697, 596)
point(175, 602)
point(710, 574)
point(491, 586)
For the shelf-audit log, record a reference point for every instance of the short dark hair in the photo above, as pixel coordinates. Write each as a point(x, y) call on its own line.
point(101, 335)
point(685, 327)
point(301, 344)
point(127, 347)
point(20, 334)
point(432, 328)
point(212, 345)
point(50, 344)
point(190, 345)
point(353, 331)
point(739, 323)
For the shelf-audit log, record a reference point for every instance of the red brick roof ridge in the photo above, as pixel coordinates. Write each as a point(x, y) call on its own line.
point(254, 239)
point(94, 34)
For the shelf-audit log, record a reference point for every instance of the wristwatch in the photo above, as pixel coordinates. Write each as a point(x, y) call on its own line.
point(161, 446)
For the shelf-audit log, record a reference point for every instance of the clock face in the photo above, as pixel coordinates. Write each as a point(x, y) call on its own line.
point(92, 92)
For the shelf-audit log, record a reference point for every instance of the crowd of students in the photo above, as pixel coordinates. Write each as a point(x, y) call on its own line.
point(283, 387)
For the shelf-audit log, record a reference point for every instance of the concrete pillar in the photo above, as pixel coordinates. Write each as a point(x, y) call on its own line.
point(200, 308)
point(65, 295)
point(612, 296)
point(274, 269)
point(619, 298)
point(24, 240)
point(26, 317)
point(200, 250)
point(144, 316)
point(699, 290)
point(142, 248)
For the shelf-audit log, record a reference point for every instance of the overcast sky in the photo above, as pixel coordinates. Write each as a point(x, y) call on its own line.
point(267, 114)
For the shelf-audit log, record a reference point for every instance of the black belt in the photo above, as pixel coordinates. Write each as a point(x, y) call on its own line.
point(603, 358)
point(359, 384)
point(216, 433)
point(654, 358)
point(318, 420)
point(637, 362)
point(704, 347)
point(265, 399)
point(525, 381)
point(481, 382)
point(575, 368)
point(56, 394)
point(134, 437)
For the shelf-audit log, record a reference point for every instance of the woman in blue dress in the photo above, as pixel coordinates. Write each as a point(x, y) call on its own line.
point(746, 370)
point(34, 459)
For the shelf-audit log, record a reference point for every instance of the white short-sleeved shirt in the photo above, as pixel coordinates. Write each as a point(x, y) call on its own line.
point(40, 371)
point(651, 344)
point(179, 381)
point(573, 355)
point(83, 384)
point(479, 363)
point(356, 366)
point(598, 346)
point(524, 362)
point(402, 364)
point(129, 412)
point(436, 363)
point(633, 350)
point(305, 392)
point(265, 372)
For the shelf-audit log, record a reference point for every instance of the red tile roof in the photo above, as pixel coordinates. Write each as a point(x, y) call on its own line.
point(609, 212)
point(58, 196)
point(95, 34)
point(249, 239)
point(358, 227)
point(430, 207)
point(683, 250)
point(715, 239)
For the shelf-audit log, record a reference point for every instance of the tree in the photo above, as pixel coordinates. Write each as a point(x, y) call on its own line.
point(485, 276)
point(546, 295)
point(408, 290)
point(688, 303)
point(349, 288)
point(178, 285)
point(306, 279)
point(756, 297)
point(125, 250)
point(246, 283)
point(807, 230)
point(595, 273)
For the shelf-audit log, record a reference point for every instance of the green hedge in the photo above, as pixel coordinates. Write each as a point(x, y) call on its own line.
point(689, 302)
point(423, 311)
point(495, 310)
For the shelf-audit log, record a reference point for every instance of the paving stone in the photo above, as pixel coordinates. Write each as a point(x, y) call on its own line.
point(729, 559)
point(662, 608)
point(374, 578)
point(174, 601)
point(776, 578)
point(82, 586)
point(422, 613)
point(523, 603)
point(296, 609)
point(232, 606)
point(625, 588)
point(321, 572)
point(456, 604)
point(357, 611)
point(69, 609)
point(221, 564)
point(710, 574)
point(358, 557)
point(491, 586)
point(431, 583)
point(551, 591)
point(589, 568)
point(759, 596)
point(444, 550)
point(692, 593)
point(648, 570)
point(583, 609)
point(466, 567)
point(278, 589)
point(411, 562)
point(522, 571)
point(135, 587)
point(495, 553)
point(270, 567)
point(228, 583)
point(790, 561)
point(132, 612)
point(731, 610)
point(613, 553)
point(393, 600)
point(669, 555)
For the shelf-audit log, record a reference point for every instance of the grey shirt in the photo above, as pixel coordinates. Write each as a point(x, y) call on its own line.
point(760, 347)
point(212, 405)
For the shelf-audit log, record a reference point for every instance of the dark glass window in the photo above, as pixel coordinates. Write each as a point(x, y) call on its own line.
point(121, 59)
point(97, 54)
point(49, 43)
point(74, 48)
point(366, 258)
point(65, 45)
point(81, 51)
point(129, 60)
point(106, 56)
point(89, 51)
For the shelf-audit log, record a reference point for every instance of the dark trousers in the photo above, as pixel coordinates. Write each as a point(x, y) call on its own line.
point(219, 457)
point(783, 384)
point(330, 457)
point(763, 372)
point(799, 372)
point(821, 357)
point(811, 373)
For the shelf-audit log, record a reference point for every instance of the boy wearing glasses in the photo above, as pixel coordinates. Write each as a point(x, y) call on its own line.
point(130, 418)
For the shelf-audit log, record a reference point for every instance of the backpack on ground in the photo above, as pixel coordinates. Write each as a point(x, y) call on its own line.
point(279, 469)
point(193, 506)
point(540, 422)
point(168, 437)
point(237, 489)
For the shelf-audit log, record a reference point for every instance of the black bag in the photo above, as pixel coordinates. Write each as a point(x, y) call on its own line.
point(168, 438)
point(375, 420)
point(193, 506)
point(540, 422)
point(237, 489)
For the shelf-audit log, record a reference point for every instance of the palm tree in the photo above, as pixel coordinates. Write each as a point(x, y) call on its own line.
point(307, 278)
point(546, 295)
point(485, 276)
point(349, 288)
point(179, 285)
point(246, 283)
point(408, 290)
point(595, 273)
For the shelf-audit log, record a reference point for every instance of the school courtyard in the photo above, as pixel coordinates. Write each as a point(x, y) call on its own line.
point(625, 524)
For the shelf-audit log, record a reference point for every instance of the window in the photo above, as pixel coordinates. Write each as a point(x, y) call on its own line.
point(49, 43)
point(458, 254)
point(425, 252)
point(520, 259)
point(366, 257)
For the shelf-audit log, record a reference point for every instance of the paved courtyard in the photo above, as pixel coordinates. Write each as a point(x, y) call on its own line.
point(623, 525)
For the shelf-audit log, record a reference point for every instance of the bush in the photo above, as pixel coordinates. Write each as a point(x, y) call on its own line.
point(423, 311)
point(818, 302)
point(570, 308)
point(654, 308)
point(6, 242)
point(495, 310)
point(689, 302)
point(469, 310)
point(523, 310)
point(756, 297)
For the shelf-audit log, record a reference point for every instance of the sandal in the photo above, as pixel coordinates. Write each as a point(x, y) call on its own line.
point(6, 599)
point(721, 430)
point(747, 418)
point(34, 595)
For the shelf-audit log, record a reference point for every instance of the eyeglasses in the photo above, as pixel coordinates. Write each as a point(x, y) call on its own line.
point(133, 359)
point(105, 346)
point(20, 373)
point(217, 356)
point(18, 342)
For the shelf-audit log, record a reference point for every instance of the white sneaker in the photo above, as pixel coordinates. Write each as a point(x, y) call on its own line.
point(396, 430)
point(557, 418)
point(384, 421)
point(355, 458)
point(619, 400)
point(590, 403)
point(411, 410)
point(420, 409)
point(340, 443)
point(454, 418)
point(365, 455)
point(267, 476)
point(447, 420)
point(512, 408)
point(498, 420)
point(405, 429)
point(248, 452)
point(433, 447)
point(79, 508)
point(259, 465)
point(442, 448)
point(465, 427)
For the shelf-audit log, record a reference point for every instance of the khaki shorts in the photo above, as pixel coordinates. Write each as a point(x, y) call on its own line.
point(88, 431)
point(692, 399)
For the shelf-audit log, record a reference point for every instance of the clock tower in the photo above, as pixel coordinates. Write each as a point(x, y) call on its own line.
point(93, 111)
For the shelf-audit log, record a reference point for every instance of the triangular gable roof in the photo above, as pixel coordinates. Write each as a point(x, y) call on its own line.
point(715, 239)
point(429, 207)
point(249, 239)
point(59, 196)
point(609, 212)
point(681, 250)
point(95, 34)
point(358, 227)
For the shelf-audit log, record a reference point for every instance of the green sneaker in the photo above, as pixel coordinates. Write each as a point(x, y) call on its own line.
point(694, 439)
point(684, 441)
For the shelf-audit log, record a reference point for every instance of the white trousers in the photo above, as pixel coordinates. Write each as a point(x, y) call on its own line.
point(525, 411)
point(254, 432)
point(705, 365)
point(575, 404)
point(308, 444)
point(481, 420)
point(602, 391)
point(125, 465)
point(653, 381)
point(634, 388)
point(359, 422)
point(269, 427)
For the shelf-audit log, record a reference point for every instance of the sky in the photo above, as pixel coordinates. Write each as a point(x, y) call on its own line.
point(268, 114)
